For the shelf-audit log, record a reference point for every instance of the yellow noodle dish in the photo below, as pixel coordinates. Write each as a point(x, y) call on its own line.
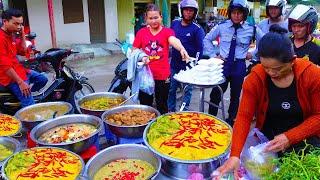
point(102, 103)
point(125, 169)
point(9, 125)
point(189, 136)
point(43, 164)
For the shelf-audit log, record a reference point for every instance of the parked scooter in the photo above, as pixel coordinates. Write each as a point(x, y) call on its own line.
point(62, 88)
point(119, 83)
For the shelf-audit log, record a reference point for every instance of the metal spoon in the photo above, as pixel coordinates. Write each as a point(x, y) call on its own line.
point(125, 101)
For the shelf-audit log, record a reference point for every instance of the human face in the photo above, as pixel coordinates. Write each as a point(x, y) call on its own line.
point(274, 12)
point(188, 14)
point(236, 16)
point(276, 69)
point(13, 25)
point(154, 19)
point(299, 30)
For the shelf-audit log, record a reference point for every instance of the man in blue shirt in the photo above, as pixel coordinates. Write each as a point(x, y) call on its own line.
point(191, 36)
point(235, 38)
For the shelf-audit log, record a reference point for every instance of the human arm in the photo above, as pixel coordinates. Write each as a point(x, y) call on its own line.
point(24, 87)
point(21, 45)
point(176, 43)
point(208, 46)
point(247, 108)
point(311, 124)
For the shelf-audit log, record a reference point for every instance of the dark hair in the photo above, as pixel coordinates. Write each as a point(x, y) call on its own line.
point(8, 14)
point(276, 44)
point(152, 7)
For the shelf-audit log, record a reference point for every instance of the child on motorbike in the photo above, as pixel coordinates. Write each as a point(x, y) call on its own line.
point(155, 40)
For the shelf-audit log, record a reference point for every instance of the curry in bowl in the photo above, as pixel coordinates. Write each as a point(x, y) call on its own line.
point(9, 125)
point(189, 136)
point(68, 133)
point(101, 103)
point(131, 117)
point(43, 164)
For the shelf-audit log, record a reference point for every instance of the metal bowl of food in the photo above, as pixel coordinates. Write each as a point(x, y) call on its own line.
point(129, 121)
point(76, 132)
point(10, 126)
point(97, 103)
point(33, 115)
point(43, 163)
point(8, 146)
point(188, 143)
point(96, 168)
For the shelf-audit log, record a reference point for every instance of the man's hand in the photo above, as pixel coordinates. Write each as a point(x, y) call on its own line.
point(184, 54)
point(279, 143)
point(231, 165)
point(25, 88)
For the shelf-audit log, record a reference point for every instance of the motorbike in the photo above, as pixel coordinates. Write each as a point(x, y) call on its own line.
point(119, 83)
point(65, 86)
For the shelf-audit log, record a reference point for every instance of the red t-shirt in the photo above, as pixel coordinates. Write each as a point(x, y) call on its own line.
point(8, 52)
point(157, 48)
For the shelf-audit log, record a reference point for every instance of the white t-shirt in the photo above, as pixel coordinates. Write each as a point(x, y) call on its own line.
point(265, 24)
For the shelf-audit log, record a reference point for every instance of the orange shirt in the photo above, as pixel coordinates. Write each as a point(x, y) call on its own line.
point(8, 53)
point(254, 102)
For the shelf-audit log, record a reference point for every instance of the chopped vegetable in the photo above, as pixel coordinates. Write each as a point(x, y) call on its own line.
point(42, 164)
point(189, 136)
point(125, 169)
point(4, 152)
point(9, 125)
point(299, 165)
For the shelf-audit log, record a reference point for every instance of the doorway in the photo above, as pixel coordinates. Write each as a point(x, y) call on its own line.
point(97, 21)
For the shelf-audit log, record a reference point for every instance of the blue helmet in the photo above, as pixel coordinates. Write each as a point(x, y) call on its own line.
point(188, 4)
point(239, 4)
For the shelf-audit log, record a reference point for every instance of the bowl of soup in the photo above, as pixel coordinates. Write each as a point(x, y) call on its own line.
point(76, 132)
point(121, 161)
point(32, 115)
point(97, 103)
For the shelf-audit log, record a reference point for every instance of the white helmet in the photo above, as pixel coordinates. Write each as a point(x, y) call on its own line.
point(304, 14)
point(280, 3)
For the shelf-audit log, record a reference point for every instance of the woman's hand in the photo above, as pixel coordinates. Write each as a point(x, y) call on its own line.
point(279, 143)
point(231, 165)
point(145, 60)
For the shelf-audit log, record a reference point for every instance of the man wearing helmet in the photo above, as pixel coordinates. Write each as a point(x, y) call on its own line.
point(191, 36)
point(235, 38)
point(302, 22)
point(275, 10)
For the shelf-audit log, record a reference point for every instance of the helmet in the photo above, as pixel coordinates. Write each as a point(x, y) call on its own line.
point(188, 4)
point(304, 14)
point(280, 3)
point(239, 4)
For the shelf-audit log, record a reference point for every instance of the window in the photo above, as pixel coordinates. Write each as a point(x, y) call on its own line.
point(72, 11)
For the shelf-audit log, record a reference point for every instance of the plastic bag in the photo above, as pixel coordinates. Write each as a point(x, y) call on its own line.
point(257, 163)
point(146, 80)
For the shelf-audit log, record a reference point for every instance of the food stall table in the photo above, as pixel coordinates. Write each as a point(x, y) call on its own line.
point(202, 101)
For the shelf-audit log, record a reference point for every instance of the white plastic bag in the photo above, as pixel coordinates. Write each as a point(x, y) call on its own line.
point(146, 80)
point(257, 163)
